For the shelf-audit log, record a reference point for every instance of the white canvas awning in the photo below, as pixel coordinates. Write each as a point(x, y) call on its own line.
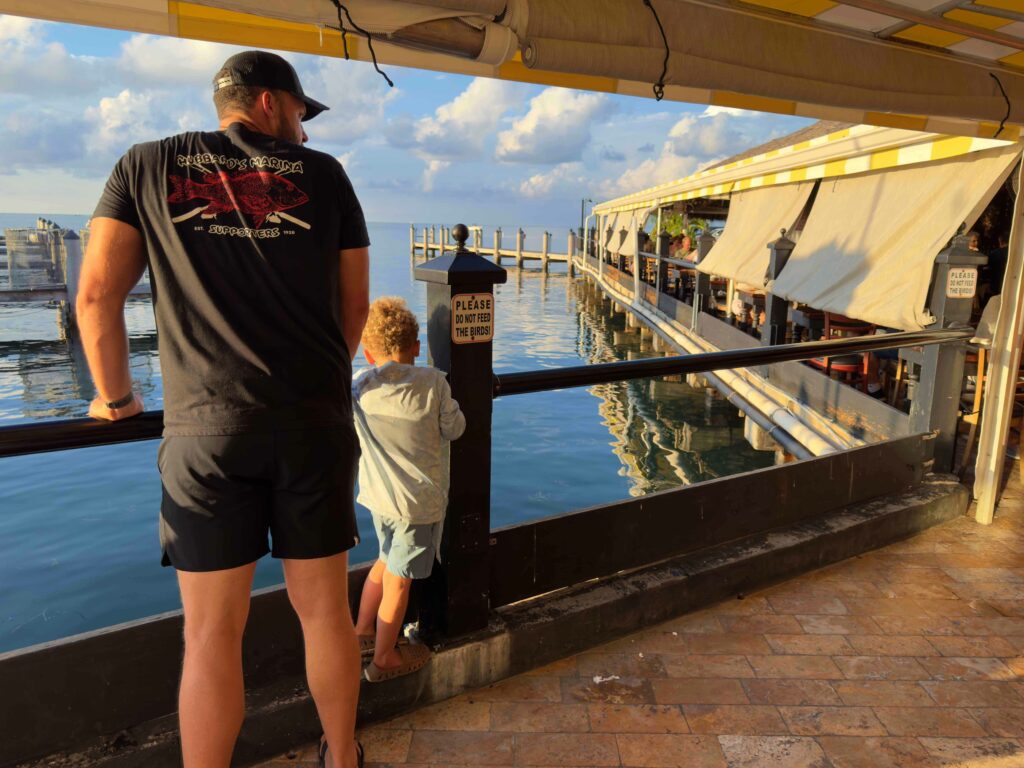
point(611, 226)
point(755, 218)
point(628, 247)
point(870, 242)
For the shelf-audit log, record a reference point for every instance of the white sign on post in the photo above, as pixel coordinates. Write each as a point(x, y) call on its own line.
point(962, 282)
point(472, 318)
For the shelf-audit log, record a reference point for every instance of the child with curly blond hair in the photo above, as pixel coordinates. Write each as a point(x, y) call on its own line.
point(404, 416)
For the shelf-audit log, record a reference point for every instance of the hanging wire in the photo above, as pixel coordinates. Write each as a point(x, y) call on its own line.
point(1006, 98)
point(659, 87)
point(369, 39)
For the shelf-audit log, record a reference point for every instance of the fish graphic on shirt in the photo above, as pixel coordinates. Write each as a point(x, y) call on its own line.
point(255, 194)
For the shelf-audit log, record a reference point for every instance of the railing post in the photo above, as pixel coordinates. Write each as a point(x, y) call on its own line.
point(776, 308)
point(661, 280)
point(638, 265)
point(72, 268)
point(571, 250)
point(701, 280)
point(936, 401)
point(460, 327)
point(497, 246)
point(545, 245)
point(520, 237)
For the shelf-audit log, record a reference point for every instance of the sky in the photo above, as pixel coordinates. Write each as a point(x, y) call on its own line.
point(436, 148)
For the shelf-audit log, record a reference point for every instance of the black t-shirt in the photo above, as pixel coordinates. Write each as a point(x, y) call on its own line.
point(242, 235)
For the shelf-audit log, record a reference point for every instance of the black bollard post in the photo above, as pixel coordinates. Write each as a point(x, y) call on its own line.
point(936, 402)
point(460, 329)
point(776, 308)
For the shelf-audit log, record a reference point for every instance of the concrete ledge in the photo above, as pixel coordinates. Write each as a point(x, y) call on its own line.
point(538, 631)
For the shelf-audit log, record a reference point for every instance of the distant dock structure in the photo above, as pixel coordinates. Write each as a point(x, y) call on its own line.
point(436, 241)
point(43, 264)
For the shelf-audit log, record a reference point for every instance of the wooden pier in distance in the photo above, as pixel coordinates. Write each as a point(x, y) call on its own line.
point(44, 265)
point(437, 241)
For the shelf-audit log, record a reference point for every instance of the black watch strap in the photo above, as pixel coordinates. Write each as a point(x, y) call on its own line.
point(122, 402)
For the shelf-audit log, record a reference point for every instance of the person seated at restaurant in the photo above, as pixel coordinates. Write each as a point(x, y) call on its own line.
point(675, 245)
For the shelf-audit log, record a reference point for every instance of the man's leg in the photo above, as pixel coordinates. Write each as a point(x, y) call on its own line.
point(369, 602)
point(318, 590)
point(211, 701)
point(389, 620)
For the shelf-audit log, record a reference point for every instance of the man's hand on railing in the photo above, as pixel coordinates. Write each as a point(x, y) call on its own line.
point(98, 409)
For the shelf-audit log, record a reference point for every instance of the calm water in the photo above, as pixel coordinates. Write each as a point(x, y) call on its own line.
point(78, 533)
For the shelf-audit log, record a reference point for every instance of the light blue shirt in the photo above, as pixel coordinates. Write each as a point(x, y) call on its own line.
point(404, 416)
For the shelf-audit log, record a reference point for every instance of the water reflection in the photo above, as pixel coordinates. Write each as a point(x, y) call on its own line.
point(49, 378)
point(665, 432)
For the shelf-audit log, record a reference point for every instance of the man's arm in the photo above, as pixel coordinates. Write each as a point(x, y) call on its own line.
point(114, 262)
point(355, 295)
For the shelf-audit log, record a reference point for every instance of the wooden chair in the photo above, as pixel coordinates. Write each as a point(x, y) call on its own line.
point(853, 367)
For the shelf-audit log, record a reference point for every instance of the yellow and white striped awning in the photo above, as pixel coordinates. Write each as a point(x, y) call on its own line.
point(907, 64)
point(849, 151)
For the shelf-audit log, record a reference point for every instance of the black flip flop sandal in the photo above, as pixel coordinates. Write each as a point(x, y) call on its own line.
point(323, 753)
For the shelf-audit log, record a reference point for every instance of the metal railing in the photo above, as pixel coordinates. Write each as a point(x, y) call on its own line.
point(23, 439)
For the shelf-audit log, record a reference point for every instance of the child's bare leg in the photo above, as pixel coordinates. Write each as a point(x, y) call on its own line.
point(369, 602)
point(389, 620)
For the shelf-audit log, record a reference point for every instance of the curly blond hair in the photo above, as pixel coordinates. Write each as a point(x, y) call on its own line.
point(391, 327)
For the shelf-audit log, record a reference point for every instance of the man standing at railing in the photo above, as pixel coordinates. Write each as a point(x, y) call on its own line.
point(258, 256)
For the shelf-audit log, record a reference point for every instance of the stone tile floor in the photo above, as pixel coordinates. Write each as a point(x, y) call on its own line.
point(909, 656)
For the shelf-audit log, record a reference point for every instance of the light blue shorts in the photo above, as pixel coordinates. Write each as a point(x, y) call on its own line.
point(407, 549)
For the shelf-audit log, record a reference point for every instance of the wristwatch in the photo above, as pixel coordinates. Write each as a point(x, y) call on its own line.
point(122, 402)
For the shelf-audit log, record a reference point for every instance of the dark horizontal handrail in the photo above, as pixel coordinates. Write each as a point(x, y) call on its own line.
point(65, 434)
point(603, 373)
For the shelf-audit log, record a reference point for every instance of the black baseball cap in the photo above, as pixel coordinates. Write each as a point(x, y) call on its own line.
point(263, 69)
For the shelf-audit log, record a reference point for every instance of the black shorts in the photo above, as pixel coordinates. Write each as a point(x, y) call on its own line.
point(223, 495)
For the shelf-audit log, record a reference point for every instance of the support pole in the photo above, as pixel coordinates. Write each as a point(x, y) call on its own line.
point(460, 301)
point(661, 278)
point(776, 308)
point(520, 237)
point(412, 240)
point(638, 263)
point(72, 268)
point(545, 244)
point(702, 280)
point(1003, 372)
point(497, 246)
point(936, 404)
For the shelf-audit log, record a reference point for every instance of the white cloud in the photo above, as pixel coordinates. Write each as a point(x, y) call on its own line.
point(666, 167)
point(357, 97)
point(565, 178)
point(30, 66)
point(705, 137)
point(461, 127)
point(712, 110)
point(154, 61)
point(555, 130)
point(430, 172)
point(120, 121)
